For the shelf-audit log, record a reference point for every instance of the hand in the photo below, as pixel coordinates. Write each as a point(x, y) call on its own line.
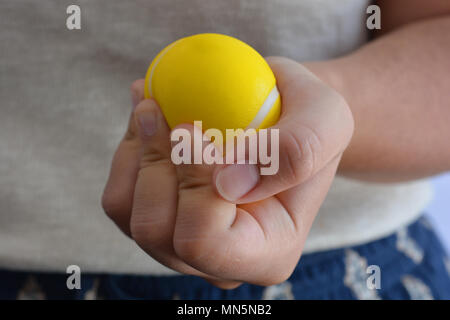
point(190, 218)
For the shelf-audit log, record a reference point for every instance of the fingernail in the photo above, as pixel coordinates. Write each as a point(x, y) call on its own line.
point(235, 181)
point(147, 121)
point(134, 98)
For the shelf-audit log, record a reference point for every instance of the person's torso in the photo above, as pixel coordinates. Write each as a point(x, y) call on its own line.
point(65, 105)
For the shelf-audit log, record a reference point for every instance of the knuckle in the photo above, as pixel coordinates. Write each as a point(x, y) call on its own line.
point(147, 231)
point(301, 149)
point(140, 234)
point(130, 134)
point(135, 85)
point(117, 208)
point(145, 236)
point(192, 250)
point(111, 206)
point(293, 151)
point(189, 180)
point(204, 251)
point(135, 116)
point(198, 245)
point(152, 158)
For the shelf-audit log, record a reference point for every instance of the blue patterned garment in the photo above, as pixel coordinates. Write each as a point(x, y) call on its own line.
point(410, 264)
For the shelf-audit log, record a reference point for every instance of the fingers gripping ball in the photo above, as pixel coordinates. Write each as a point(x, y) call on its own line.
point(214, 78)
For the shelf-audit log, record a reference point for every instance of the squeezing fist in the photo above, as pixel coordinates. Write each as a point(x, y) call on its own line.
point(227, 223)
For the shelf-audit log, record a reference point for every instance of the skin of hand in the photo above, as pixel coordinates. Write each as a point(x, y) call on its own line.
point(398, 87)
point(177, 230)
point(228, 224)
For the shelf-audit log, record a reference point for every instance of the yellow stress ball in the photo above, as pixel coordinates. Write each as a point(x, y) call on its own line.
point(214, 78)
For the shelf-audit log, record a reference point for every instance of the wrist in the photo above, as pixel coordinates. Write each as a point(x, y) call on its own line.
point(331, 72)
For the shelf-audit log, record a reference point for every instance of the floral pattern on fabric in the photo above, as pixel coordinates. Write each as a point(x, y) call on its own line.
point(92, 293)
point(282, 291)
point(447, 264)
point(356, 276)
point(336, 274)
point(31, 290)
point(417, 290)
point(426, 223)
point(408, 246)
point(176, 296)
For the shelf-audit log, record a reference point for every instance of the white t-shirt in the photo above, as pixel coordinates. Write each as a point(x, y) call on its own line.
point(65, 105)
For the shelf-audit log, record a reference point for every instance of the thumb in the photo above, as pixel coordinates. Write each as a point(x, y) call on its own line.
point(315, 127)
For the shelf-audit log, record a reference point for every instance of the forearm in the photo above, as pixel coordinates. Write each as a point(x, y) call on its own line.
point(398, 88)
